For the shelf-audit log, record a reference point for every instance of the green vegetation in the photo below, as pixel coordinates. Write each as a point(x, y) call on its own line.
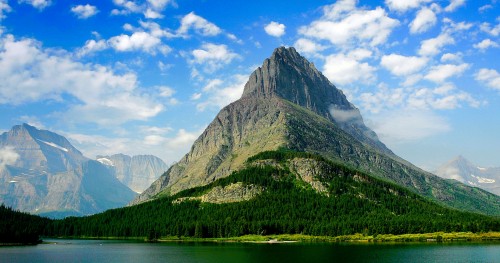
point(351, 206)
point(20, 228)
point(355, 203)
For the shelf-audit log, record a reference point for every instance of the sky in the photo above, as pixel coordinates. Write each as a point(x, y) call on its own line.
point(148, 76)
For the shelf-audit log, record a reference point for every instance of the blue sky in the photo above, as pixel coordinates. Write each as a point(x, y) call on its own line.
point(146, 77)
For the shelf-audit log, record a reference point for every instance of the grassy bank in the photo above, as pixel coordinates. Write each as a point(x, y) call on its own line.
point(427, 237)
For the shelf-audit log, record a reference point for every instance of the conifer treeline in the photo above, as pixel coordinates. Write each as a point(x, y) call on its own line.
point(363, 205)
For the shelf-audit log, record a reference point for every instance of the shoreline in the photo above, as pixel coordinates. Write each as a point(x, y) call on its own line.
point(437, 237)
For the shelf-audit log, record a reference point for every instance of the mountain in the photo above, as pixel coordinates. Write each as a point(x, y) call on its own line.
point(51, 177)
point(137, 172)
point(464, 171)
point(288, 104)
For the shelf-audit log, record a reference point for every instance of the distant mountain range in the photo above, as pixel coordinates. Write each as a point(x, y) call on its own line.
point(42, 173)
point(137, 172)
point(466, 172)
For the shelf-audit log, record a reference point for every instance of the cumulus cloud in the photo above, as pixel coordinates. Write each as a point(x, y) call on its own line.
point(344, 69)
point(401, 65)
point(39, 4)
point(8, 156)
point(405, 5)
point(425, 19)
point(137, 41)
point(485, 44)
point(199, 24)
point(92, 46)
point(306, 46)
point(433, 46)
point(454, 4)
point(150, 8)
point(342, 24)
point(490, 77)
point(440, 73)
point(444, 97)
point(84, 11)
point(102, 96)
point(449, 57)
point(4, 8)
point(212, 56)
point(220, 93)
point(492, 30)
point(275, 29)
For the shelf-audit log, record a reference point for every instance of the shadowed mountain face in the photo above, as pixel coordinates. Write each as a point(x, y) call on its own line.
point(137, 172)
point(464, 171)
point(49, 176)
point(288, 104)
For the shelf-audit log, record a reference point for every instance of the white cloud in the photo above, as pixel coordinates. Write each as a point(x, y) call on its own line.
point(490, 77)
point(442, 72)
point(494, 31)
point(275, 29)
point(92, 46)
point(4, 8)
point(152, 14)
point(484, 8)
point(485, 44)
point(342, 69)
point(161, 4)
point(220, 93)
point(444, 97)
point(137, 41)
point(196, 96)
point(425, 19)
point(8, 156)
point(84, 11)
point(212, 56)
point(39, 4)
point(449, 57)
point(307, 46)
point(454, 4)
point(408, 125)
point(102, 96)
point(433, 46)
point(404, 5)
point(401, 65)
point(342, 24)
point(199, 24)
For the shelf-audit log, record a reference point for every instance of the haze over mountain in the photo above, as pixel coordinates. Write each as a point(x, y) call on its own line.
point(466, 172)
point(287, 103)
point(137, 172)
point(42, 173)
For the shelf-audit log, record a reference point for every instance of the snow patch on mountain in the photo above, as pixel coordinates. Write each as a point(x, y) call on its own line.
point(105, 161)
point(54, 145)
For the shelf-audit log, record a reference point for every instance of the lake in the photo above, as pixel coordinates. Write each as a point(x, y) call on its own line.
point(124, 251)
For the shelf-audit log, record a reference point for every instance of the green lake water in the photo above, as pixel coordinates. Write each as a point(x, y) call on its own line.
point(123, 251)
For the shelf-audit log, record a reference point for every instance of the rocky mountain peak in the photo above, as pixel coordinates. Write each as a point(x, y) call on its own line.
point(288, 75)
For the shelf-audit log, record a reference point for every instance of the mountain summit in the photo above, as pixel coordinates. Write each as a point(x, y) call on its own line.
point(288, 75)
point(288, 104)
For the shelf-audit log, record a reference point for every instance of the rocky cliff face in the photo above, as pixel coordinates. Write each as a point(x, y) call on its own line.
point(286, 104)
point(137, 172)
point(466, 172)
point(288, 75)
point(51, 177)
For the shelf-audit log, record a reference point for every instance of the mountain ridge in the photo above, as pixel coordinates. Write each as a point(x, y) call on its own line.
point(51, 177)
